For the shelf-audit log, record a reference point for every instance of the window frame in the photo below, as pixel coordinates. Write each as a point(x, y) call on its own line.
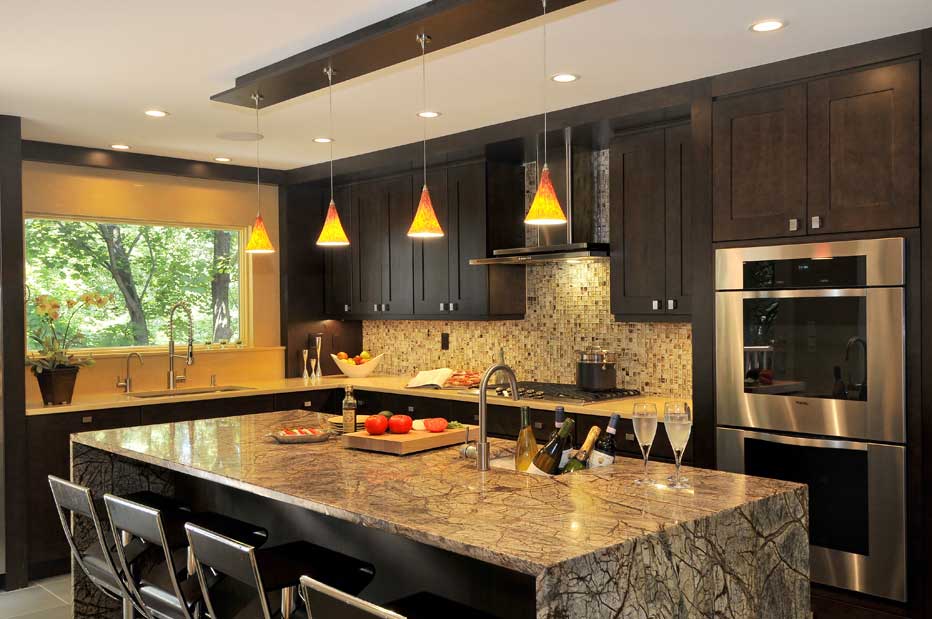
point(245, 283)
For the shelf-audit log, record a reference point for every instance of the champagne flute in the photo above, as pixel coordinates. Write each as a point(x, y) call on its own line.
point(645, 429)
point(678, 427)
point(673, 407)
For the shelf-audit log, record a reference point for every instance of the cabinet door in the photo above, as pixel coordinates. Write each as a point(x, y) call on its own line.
point(637, 223)
point(49, 444)
point(338, 261)
point(317, 401)
point(371, 248)
point(469, 285)
point(678, 221)
point(206, 409)
point(432, 256)
point(759, 165)
point(864, 150)
point(398, 249)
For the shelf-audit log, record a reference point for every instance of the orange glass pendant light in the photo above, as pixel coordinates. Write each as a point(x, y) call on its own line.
point(332, 234)
point(545, 209)
point(259, 241)
point(425, 224)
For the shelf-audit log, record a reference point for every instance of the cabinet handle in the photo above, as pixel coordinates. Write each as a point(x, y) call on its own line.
point(655, 304)
point(375, 307)
point(308, 404)
point(794, 224)
point(443, 307)
point(816, 222)
point(384, 307)
point(671, 304)
point(538, 425)
point(87, 419)
point(346, 308)
point(629, 437)
point(452, 307)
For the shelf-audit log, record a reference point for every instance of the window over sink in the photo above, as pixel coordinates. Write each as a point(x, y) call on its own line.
point(146, 267)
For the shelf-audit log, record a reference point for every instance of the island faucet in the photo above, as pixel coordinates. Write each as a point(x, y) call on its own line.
point(482, 446)
point(189, 357)
point(127, 383)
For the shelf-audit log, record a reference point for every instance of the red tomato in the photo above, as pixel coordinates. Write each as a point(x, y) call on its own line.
point(437, 424)
point(377, 424)
point(400, 424)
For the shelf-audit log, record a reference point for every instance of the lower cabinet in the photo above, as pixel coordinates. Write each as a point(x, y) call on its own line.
point(625, 442)
point(324, 401)
point(206, 409)
point(48, 443)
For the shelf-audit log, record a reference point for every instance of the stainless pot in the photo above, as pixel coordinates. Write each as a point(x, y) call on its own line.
point(595, 370)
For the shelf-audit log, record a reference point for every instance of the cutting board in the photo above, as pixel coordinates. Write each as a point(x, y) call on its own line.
point(412, 442)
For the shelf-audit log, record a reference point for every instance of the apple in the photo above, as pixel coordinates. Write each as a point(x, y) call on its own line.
point(342, 355)
point(358, 360)
point(365, 355)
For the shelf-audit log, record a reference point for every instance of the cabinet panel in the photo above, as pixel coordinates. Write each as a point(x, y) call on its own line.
point(338, 261)
point(432, 256)
point(326, 400)
point(864, 150)
point(398, 256)
point(678, 170)
point(49, 445)
point(206, 409)
point(759, 164)
point(371, 249)
point(469, 285)
point(637, 223)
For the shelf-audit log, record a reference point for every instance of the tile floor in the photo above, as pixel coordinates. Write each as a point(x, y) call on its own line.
point(45, 599)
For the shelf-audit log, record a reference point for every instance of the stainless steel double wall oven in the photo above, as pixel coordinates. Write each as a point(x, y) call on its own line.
point(810, 387)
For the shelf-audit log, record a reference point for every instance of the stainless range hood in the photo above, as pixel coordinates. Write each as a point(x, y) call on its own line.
point(556, 243)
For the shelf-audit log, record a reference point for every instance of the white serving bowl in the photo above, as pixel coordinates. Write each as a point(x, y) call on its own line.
point(358, 371)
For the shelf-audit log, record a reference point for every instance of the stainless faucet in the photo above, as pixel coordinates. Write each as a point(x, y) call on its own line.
point(189, 357)
point(127, 383)
point(482, 447)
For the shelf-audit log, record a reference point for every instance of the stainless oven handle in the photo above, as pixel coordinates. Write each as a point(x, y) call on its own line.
point(810, 293)
point(819, 443)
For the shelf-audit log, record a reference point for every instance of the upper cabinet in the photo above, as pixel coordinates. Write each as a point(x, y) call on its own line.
point(649, 225)
point(839, 154)
point(390, 276)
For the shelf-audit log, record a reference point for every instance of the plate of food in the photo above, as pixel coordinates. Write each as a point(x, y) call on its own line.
point(300, 435)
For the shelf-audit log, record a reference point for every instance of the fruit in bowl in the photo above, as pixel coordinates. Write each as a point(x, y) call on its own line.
point(357, 366)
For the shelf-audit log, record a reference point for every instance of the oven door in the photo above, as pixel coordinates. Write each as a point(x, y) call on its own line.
point(857, 503)
point(825, 362)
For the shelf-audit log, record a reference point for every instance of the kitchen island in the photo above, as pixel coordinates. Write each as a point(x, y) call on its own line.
point(591, 544)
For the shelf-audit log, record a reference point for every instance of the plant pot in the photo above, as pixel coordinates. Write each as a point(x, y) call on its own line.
point(57, 386)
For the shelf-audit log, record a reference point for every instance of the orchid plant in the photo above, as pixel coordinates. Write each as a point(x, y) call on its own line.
point(55, 336)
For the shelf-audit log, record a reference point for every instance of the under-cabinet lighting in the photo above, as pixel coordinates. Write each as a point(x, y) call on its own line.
point(119, 146)
point(222, 159)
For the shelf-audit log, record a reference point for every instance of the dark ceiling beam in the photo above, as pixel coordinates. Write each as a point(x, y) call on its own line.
point(47, 152)
point(382, 44)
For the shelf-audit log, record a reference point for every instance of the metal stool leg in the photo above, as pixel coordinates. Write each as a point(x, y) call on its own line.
point(288, 602)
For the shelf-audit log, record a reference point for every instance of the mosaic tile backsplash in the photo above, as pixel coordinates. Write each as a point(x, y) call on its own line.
point(568, 309)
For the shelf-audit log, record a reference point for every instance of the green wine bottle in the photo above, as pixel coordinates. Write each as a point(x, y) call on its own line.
point(579, 459)
point(547, 460)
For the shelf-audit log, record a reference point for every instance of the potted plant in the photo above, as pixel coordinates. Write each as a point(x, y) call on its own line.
point(54, 367)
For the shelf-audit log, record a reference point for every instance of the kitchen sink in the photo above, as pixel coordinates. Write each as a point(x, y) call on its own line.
point(163, 393)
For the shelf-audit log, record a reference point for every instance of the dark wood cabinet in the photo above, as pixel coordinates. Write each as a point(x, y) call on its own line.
point(649, 224)
point(49, 447)
point(837, 154)
point(864, 150)
point(324, 400)
point(759, 164)
point(391, 276)
point(206, 409)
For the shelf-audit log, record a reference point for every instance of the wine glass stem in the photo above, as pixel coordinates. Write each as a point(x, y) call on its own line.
point(679, 460)
point(645, 449)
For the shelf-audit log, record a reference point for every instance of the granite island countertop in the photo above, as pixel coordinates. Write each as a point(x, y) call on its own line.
point(576, 531)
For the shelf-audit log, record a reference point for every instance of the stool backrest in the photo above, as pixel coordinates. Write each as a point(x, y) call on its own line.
point(77, 501)
point(323, 601)
point(145, 523)
point(226, 556)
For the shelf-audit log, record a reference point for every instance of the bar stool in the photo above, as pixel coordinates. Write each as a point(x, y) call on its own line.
point(169, 589)
point(273, 569)
point(324, 602)
point(98, 561)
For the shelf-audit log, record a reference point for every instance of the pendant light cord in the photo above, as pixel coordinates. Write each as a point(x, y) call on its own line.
point(544, 2)
point(422, 38)
point(329, 72)
point(257, 97)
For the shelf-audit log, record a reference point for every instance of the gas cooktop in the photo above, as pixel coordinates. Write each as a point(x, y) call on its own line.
point(564, 393)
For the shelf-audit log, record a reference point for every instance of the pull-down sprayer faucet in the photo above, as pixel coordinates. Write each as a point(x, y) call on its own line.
point(189, 357)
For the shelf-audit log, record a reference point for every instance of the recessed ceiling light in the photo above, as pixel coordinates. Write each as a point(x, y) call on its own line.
point(323, 140)
point(767, 25)
point(428, 114)
point(156, 113)
point(564, 78)
point(223, 159)
point(119, 146)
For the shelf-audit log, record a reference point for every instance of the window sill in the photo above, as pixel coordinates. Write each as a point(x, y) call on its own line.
point(162, 351)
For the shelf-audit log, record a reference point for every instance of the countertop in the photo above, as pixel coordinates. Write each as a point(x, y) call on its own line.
point(523, 522)
point(383, 384)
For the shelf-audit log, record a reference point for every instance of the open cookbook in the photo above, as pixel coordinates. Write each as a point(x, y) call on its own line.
point(445, 378)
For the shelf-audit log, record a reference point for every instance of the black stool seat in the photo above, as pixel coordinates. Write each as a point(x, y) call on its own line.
point(282, 566)
point(426, 605)
point(174, 522)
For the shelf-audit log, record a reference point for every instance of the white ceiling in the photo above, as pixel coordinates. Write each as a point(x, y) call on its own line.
point(83, 72)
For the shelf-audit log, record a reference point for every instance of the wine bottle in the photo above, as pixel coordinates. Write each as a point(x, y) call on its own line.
point(349, 411)
point(578, 461)
point(558, 418)
point(603, 454)
point(526, 445)
point(547, 460)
